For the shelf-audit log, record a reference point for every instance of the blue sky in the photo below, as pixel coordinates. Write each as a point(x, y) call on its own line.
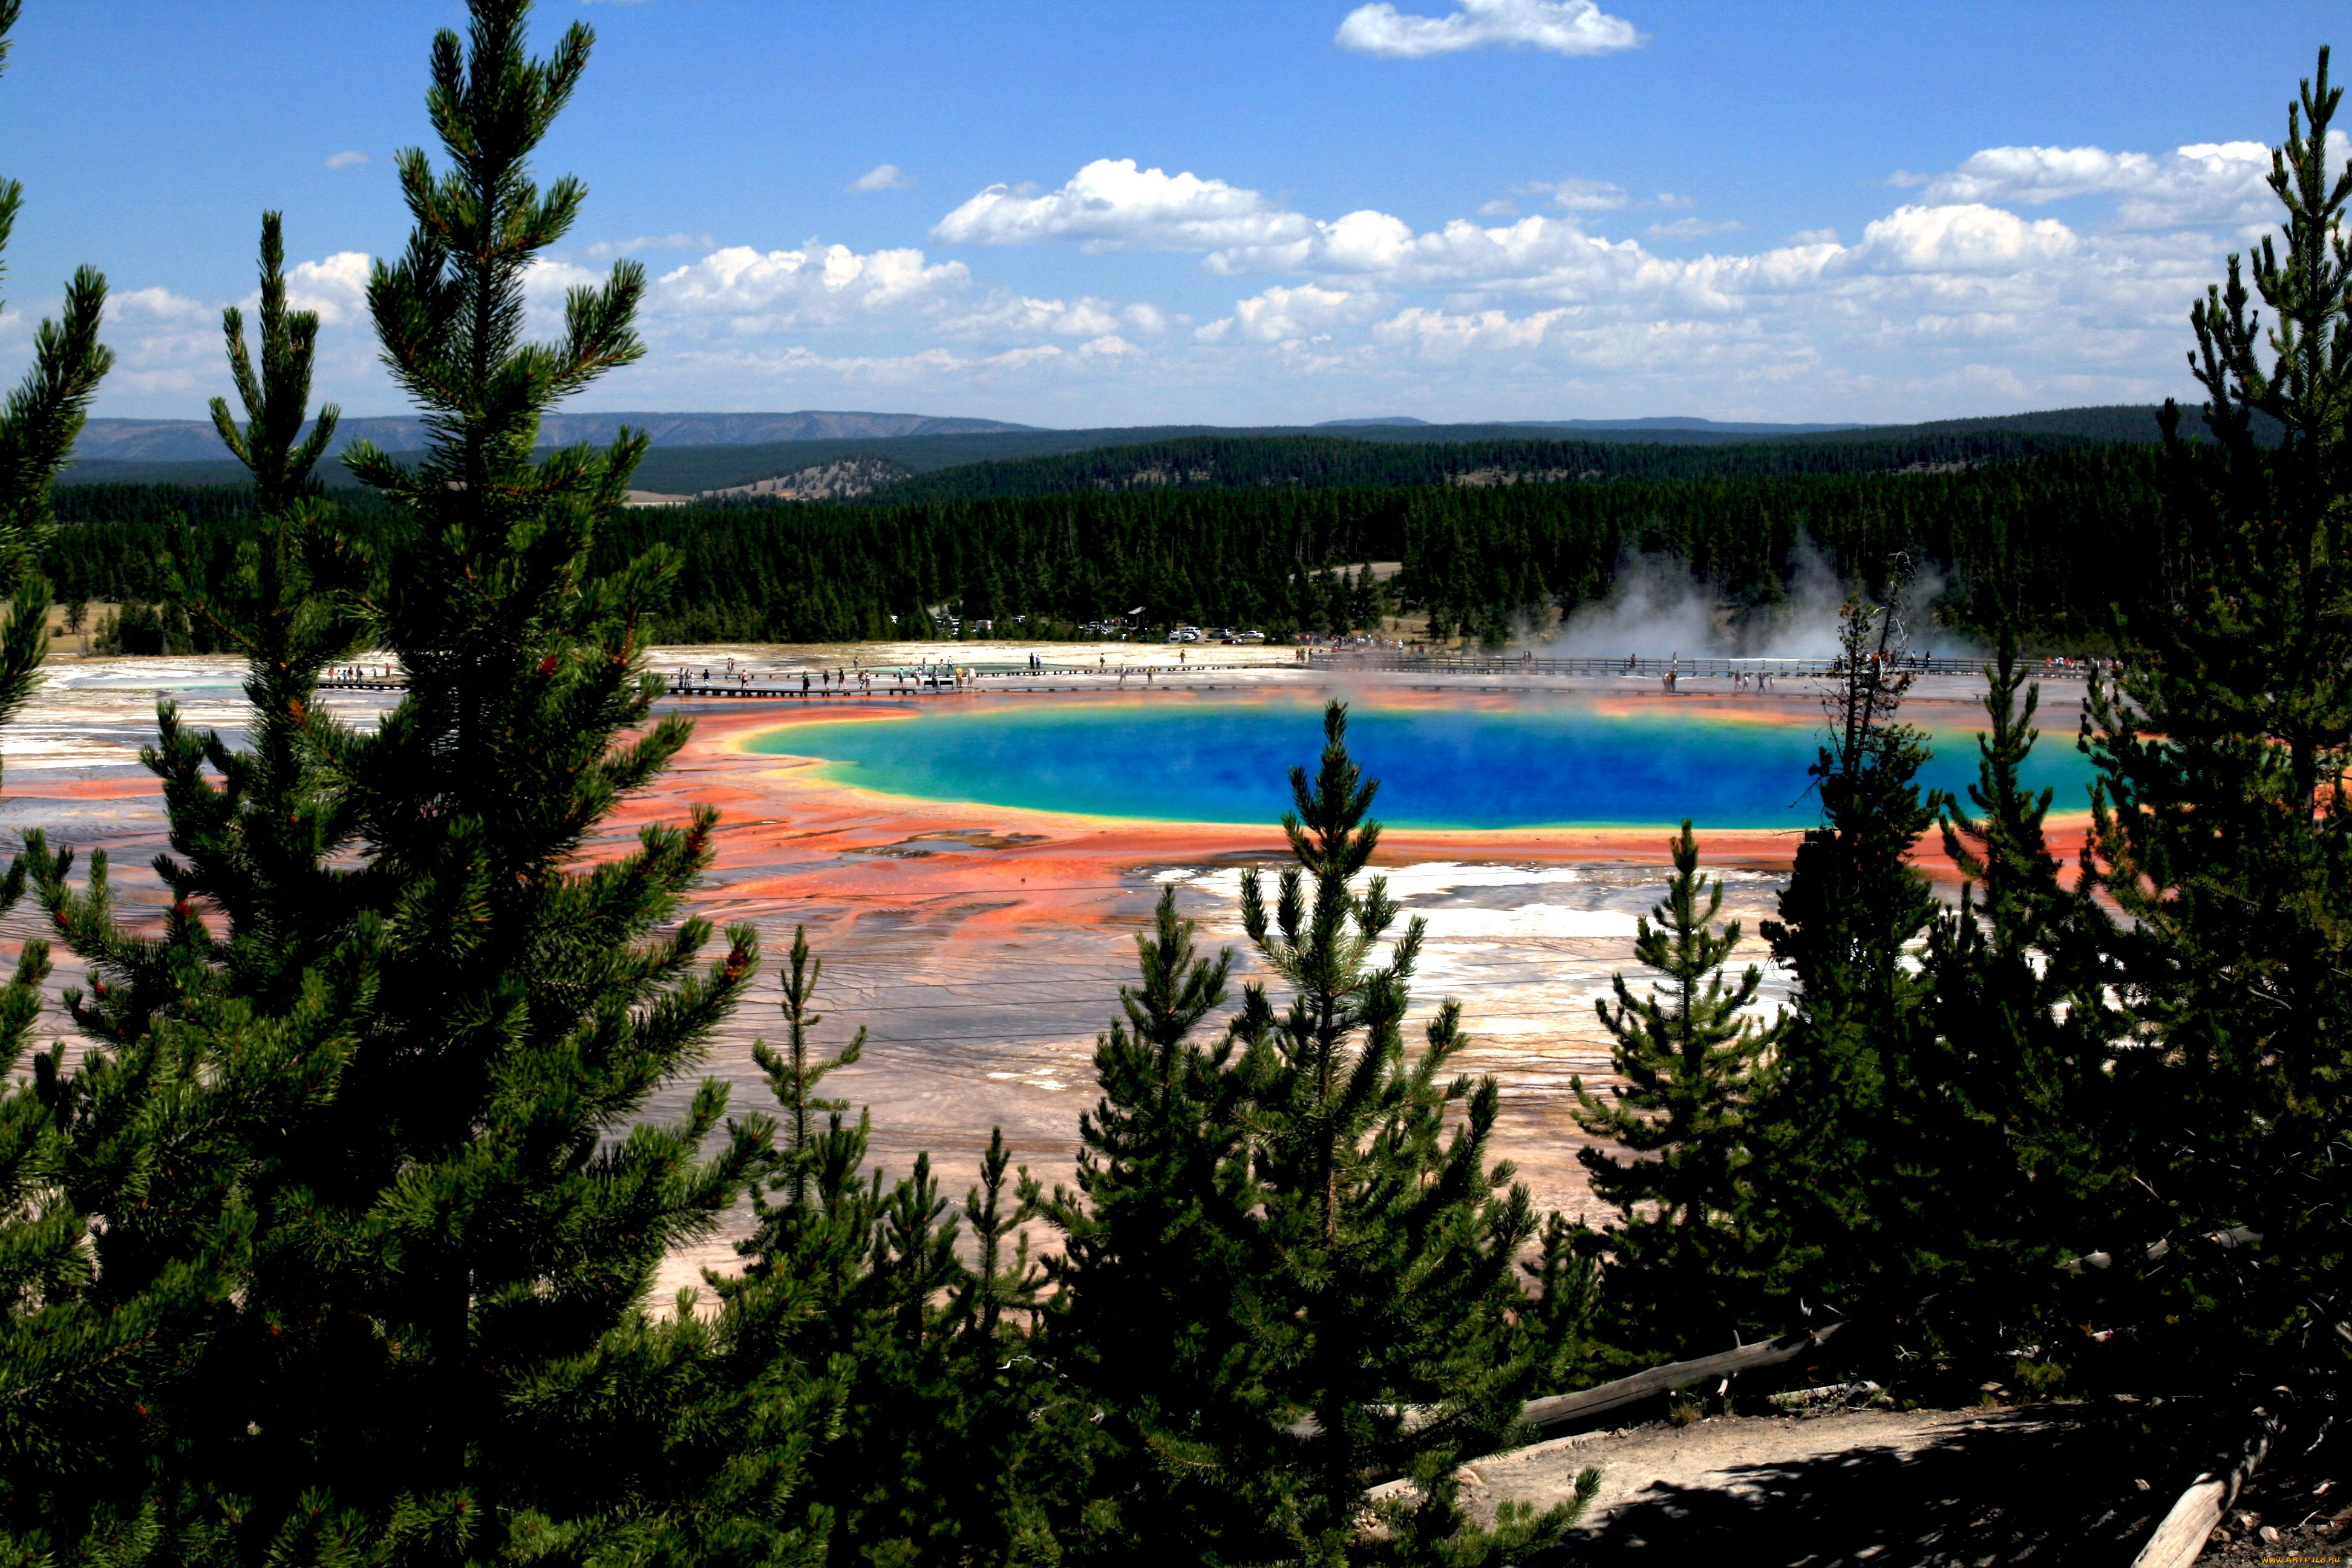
point(1233, 214)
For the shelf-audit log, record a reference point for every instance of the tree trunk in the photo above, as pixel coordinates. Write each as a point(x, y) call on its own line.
point(2180, 1536)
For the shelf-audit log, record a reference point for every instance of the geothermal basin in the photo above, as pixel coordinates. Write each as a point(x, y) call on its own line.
point(973, 869)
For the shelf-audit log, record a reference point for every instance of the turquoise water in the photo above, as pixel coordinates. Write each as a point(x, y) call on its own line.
point(1210, 760)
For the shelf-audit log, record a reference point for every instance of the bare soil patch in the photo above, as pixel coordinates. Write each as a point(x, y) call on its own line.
point(1919, 1488)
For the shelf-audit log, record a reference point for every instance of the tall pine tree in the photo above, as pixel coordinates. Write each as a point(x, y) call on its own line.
point(1683, 1257)
point(430, 1056)
point(1161, 1255)
point(79, 1346)
point(1853, 908)
point(210, 1053)
point(1389, 1311)
point(2013, 1117)
point(500, 1210)
point(2221, 829)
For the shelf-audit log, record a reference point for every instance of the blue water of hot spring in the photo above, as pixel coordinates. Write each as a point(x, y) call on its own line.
point(1223, 760)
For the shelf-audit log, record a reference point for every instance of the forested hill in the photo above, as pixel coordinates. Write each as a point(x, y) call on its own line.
point(965, 466)
point(686, 460)
point(2072, 530)
point(1227, 462)
point(2067, 533)
point(1494, 533)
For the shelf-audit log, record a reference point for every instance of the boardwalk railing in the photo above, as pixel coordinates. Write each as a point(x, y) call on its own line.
point(920, 681)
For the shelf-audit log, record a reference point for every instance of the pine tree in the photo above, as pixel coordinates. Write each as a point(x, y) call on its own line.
point(2013, 1123)
point(1160, 1253)
point(278, 400)
point(225, 1047)
point(259, 846)
point(1853, 906)
point(424, 1074)
point(103, 1163)
point(1683, 1256)
point(256, 845)
point(505, 1211)
point(1387, 1314)
point(2220, 825)
point(793, 1079)
point(955, 1443)
point(924, 1430)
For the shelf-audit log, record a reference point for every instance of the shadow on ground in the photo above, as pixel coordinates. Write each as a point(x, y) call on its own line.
point(2015, 1489)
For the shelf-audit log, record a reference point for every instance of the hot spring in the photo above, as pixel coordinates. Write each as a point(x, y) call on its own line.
point(1469, 766)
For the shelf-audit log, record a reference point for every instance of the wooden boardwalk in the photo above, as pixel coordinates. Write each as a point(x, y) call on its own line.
point(1500, 674)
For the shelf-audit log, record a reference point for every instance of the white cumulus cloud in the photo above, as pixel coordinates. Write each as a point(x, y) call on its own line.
point(1973, 289)
point(1112, 204)
point(1282, 314)
point(334, 286)
point(1006, 314)
point(2207, 182)
point(1563, 27)
point(1966, 238)
point(1371, 243)
point(347, 159)
point(161, 305)
point(757, 292)
point(931, 368)
point(882, 177)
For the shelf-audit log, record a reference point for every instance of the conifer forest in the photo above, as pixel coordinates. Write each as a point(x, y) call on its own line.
point(332, 1200)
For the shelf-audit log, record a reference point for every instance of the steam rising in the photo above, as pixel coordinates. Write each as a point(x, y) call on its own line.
point(1655, 609)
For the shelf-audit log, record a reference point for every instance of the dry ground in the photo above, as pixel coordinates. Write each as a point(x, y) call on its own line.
point(1883, 1487)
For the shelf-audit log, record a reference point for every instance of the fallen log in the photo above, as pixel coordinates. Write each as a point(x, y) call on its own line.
point(2207, 1499)
point(2180, 1536)
point(1560, 1409)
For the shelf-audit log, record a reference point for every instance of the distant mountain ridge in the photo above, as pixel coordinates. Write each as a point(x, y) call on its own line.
point(195, 440)
point(684, 467)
